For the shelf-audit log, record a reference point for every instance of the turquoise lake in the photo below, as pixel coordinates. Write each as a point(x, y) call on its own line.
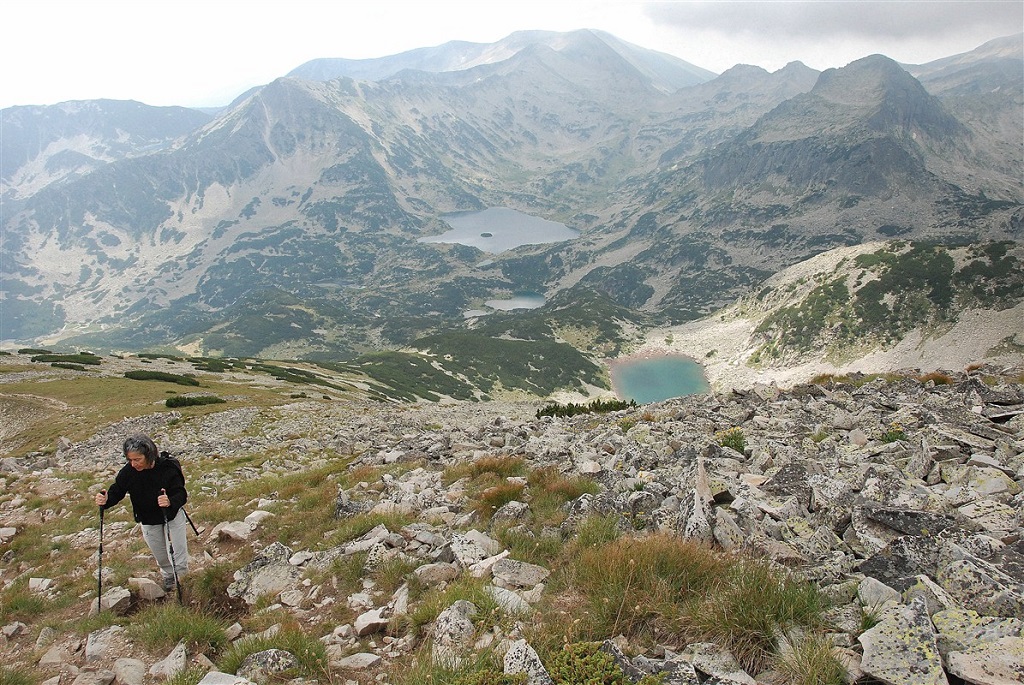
point(657, 378)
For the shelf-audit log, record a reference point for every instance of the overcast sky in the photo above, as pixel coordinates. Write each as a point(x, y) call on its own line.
point(205, 52)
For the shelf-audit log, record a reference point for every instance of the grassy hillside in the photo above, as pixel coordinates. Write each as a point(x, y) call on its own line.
point(877, 298)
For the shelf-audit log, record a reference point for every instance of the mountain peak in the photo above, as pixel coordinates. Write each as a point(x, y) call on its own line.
point(897, 98)
point(864, 81)
point(665, 72)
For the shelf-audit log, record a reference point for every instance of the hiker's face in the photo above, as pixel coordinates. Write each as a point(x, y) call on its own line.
point(138, 461)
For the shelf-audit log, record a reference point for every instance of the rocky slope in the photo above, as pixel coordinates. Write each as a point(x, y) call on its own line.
point(901, 500)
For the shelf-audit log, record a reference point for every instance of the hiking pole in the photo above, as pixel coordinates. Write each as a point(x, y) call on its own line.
point(189, 519)
point(99, 575)
point(170, 547)
point(195, 530)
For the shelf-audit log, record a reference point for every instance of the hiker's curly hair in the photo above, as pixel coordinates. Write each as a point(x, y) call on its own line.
point(142, 444)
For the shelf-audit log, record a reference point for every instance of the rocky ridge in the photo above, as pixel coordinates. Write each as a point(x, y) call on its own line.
point(900, 498)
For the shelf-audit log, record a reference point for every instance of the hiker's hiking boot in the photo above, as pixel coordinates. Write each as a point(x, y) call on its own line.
point(168, 584)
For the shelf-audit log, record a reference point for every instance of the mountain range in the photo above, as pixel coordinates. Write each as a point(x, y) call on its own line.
point(291, 224)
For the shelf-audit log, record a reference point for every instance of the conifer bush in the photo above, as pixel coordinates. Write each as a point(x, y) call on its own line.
point(186, 401)
point(82, 358)
point(140, 375)
point(597, 406)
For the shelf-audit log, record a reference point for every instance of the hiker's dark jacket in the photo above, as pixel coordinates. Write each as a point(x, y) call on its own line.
point(144, 487)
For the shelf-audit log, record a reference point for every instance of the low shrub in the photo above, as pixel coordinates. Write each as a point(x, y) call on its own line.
point(936, 377)
point(584, 662)
point(732, 438)
point(597, 406)
point(158, 355)
point(211, 365)
point(66, 365)
point(186, 401)
point(894, 433)
point(138, 375)
point(83, 358)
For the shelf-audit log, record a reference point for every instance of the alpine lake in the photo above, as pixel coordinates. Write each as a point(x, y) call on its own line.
point(657, 378)
point(499, 229)
point(496, 230)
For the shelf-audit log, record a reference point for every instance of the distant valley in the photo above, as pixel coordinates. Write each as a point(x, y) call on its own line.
point(302, 221)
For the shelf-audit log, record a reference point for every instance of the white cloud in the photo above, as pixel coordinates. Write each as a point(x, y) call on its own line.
point(205, 52)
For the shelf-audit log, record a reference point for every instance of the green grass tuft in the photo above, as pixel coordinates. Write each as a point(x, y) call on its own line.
point(17, 676)
point(310, 652)
point(162, 626)
point(810, 661)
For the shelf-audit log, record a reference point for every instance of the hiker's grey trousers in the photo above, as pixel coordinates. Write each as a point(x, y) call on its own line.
point(156, 538)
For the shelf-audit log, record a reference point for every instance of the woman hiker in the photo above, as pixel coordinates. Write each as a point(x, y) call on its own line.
point(156, 486)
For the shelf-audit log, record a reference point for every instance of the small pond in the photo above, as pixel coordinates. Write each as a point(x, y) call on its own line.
point(652, 379)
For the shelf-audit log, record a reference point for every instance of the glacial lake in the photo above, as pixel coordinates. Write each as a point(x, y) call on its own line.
point(652, 379)
point(519, 301)
point(498, 229)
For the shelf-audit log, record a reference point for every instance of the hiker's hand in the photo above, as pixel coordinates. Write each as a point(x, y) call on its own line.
point(101, 498)
point(163, 500)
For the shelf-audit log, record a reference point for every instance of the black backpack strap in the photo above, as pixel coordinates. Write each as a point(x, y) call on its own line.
point(167, 456)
